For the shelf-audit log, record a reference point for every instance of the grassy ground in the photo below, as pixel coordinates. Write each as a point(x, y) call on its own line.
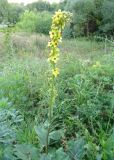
point(85, 103)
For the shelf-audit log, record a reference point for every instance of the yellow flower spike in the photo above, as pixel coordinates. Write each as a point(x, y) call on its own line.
point(55, 72)
point(58, 23)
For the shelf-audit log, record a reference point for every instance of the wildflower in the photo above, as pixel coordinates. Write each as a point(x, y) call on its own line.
point(51, 34)
point(53, 59)
point(97, 65)
point(55, 72)
point(49, 44)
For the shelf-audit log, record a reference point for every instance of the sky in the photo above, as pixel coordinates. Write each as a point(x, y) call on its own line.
point(30, 1)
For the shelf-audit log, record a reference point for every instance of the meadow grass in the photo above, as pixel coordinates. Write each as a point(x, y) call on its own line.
point(85, 102)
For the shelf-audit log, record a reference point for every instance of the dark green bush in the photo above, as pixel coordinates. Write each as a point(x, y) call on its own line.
point(107, 10)
point(44, 22)
point(91, 16)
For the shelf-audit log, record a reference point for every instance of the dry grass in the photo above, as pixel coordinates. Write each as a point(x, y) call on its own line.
point(34, 45)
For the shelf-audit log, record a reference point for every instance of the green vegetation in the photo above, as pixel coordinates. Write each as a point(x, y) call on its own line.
point(83, 115)
point(35, 22)
point(79, 85)
point(9, 13)
point(90, 17)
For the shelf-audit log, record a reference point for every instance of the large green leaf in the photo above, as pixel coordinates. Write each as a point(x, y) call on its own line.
point(45, 157)
point(8, 153)
point(56, 135)
point(42, 134)
point(55, 155)
point(8, 120)
point(26, 151)
point(61, 155)
point(76, 149)
point(6, 134)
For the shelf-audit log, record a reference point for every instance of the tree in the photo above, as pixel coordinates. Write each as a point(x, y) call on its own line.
point(87, 16)
point(28, 21)
point(108, 17)
point(9, 13)
point(4, 11)
point(15, 10)
point(39, 6)
point(31, 21)
point(44, 22)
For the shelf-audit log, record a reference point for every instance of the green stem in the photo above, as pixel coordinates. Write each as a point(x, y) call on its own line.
point(48, 130)
point(52, 97)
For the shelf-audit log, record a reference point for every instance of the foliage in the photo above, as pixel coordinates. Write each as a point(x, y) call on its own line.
point(28, 21)
point(90, 17)
point(39, 6)
point(9, 13)
point(4, 7)
point(44, 22)
point(108, 14)
point(82, 124)
point(25, 152)
point(35, 22)
point(16, 86)
point(15, 10)
point(9, 120)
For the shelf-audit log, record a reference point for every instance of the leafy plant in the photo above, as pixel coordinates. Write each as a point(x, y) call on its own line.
point(9, 119)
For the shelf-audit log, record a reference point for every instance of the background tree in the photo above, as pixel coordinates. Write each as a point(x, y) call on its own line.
point(107, 11)
point(90, 17)
point(32, 21)
point(28, 21)
point(4, 11)
point(39, 6)
point(15, 10)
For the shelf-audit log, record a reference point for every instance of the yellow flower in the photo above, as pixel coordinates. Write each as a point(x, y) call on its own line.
point(97, 65)
point(53, 44)
point(56, 20)
point(55, 72)
point(53, 58)
point(49, 44)
point(52, 34)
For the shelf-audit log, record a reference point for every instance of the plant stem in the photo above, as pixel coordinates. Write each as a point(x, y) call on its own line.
point(48, 130)
point(51, 104)
point(52, 100)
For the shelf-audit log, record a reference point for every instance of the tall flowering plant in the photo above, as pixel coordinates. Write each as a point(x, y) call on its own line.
point(58, 23)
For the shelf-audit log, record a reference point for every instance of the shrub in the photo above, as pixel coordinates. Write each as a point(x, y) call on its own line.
point(35, 22)
point(28, 21)
point(44, 22)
